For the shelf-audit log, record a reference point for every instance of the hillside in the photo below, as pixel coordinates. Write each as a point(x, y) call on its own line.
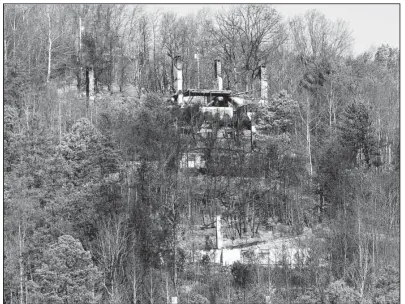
point(214, 158)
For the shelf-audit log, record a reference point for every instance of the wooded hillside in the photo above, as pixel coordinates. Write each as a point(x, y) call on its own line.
point(97, 206)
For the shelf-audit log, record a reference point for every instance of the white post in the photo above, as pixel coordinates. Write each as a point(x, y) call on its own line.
point(178, 70)
point(219, 234)
point(263, 82)
point(218, 74)
point(174, 300)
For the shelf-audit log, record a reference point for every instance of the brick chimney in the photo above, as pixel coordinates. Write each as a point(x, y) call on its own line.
point(263, 82)
point(178, 77)
point(218, 75)
point(218, 232)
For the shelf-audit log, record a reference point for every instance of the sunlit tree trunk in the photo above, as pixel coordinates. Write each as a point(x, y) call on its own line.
point(80, 72)
point(167, 288)
point(330, 105)
point(60, 121)
point(309, 136)
point(5, 58)
point(14, 43)
point(174, 247)
point(151, 291)
point(20, 261)
point(49, 44)
point(134, 286)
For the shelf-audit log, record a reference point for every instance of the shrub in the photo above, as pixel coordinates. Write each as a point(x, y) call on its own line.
point(205, 260)
point(339, 293)
point(310, 297)
point(387, 287)
point(198, 299)
point(243, 274)
point(208, 243)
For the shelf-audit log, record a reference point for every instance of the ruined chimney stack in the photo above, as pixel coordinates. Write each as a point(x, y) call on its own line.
point(263, 82)
point(218, 75)
point(178, 76)
point(218, 232)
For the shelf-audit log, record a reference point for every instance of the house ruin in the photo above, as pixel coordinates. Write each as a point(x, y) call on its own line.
point(227, 115)
point(227, 121)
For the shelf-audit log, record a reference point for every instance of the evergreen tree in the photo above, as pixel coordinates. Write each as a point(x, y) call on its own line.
point(357, 137)
point(67, 274)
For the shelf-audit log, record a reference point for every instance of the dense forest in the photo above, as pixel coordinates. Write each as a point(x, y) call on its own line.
point(97, 206)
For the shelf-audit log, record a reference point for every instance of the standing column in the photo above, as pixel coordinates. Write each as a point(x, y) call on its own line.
point(218, 74)
point(178, 75)
point(219, 234)
point(197, 57)
point(263, 82)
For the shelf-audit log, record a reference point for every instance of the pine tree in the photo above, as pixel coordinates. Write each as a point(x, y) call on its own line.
point(67, 274)
point(357, 136)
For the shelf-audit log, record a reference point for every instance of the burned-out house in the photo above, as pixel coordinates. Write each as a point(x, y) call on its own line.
point(226, 125)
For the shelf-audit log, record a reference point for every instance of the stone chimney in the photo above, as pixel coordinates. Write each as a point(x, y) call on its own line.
point(263, 82)
point(219, 233)
point(178, 77)
point(218, 75)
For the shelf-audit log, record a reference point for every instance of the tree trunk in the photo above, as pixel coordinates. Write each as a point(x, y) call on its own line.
point(363, 253)
point(389, 154)
point(345, 237)
point(253, 218)
point(174, 252)
point(20, 261)
point(49, 47)
point(359, 232)
point(91, 91)
point(79, 55)
point(14, 46)
point(373, 244)
point(26, 293)
point(167, 288)
point(309, 137)
point(60, 122)
point(172, 77)
point(110, 68)
point(330, 105)
point(134, 287)
point(29, 63)
point(5, 58)
point(152, 300)
point(87, 86)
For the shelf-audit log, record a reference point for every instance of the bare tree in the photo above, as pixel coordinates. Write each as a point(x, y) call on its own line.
point(112, 250)
point(246, 36)
point(313, 35)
